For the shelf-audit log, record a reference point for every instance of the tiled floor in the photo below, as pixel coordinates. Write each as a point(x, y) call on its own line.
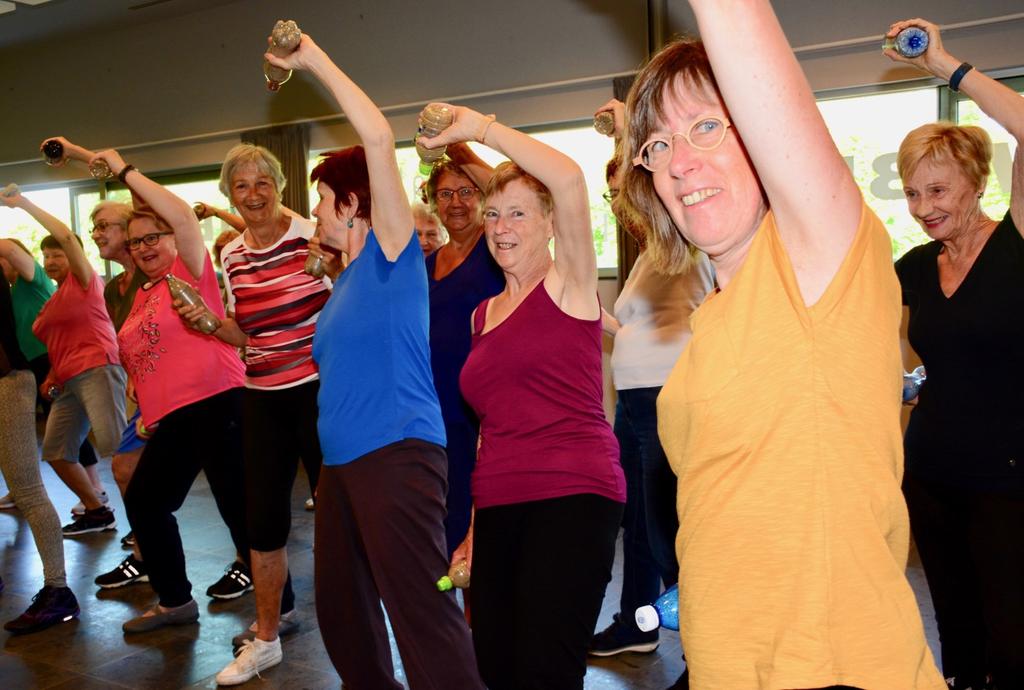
point(92, 653)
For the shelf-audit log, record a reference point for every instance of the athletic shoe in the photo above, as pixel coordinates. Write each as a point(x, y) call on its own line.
point(236, 581)
point(617, 638)
point(79, 508)
point(7, 502)
point(179, 615)
point(50, 606)
point(128, 571)
point(286, 625)
point(254, 656)
point(310, 503)
point(96, 520)
point(128, 540)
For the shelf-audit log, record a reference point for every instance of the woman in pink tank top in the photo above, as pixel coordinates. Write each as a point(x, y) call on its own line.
point(547, 487)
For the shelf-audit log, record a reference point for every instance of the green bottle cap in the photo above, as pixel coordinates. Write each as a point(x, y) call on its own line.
point(426, 168)
point(444, 584)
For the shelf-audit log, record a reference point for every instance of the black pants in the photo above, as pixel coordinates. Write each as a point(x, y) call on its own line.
point(972, 548)
point(205, 435)
point(40, 367)
point(379, 537)
point(539, 573)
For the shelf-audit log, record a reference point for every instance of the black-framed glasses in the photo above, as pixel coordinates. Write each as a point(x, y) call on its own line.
point(610, 195)
point(149, 240)
point(449, 194)
point(102, 225)
point(706, 133)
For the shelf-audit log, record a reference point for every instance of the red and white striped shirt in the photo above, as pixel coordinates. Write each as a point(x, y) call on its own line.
point(277, 305)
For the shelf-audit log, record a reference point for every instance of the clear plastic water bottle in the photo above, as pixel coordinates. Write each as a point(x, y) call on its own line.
point(664, 612)
point(100, 170)
point(284, 39)
point(604, 123)
point(434, 119)
point(315, 266)
point(53, 152)
point(199, 208)
point(910, 43)
point(912, 383)
point(186, 294)
point(10, 190)
point(458, 576)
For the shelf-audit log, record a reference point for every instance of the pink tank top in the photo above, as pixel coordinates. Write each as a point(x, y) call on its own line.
point(170, 364)
point(535, 383)
point(76, 329)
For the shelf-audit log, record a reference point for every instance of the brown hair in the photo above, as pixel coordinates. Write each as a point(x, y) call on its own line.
point(445, 165)
point(157, 220)
point(968, 147)
point(508, 172)
point(681, 64)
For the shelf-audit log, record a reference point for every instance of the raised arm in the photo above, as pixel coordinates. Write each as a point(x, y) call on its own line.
point(79, 265)
point(473, 165)
point(575, 260)
point(391, 216)
point(233, 220)
point(18, 258)
point(999, 102)
point(808, 185)
point(175, 211)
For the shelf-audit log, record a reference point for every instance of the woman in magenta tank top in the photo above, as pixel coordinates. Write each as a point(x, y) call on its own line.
point(547, 488)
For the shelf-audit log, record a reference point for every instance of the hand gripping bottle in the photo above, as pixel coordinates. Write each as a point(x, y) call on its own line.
point(458, 576)
point(912, 383)
point(199, 208)
point(180, 290)
point(284, 39)
point(604, 123)
point(910, 43)
point(433, 120)
point(663, 612)
point(100, 170)
point(10, 190)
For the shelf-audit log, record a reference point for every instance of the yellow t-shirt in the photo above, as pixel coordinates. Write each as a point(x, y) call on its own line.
point(782, 424)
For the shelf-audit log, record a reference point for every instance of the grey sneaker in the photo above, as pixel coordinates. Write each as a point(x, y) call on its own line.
point(286, 625)
point(179, 615)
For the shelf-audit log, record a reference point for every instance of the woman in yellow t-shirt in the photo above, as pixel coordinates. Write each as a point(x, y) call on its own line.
point(781, 418)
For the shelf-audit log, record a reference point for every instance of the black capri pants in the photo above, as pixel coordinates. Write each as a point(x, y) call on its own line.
point(279, 427)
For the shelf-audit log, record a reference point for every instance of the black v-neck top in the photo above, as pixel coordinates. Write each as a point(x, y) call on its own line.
point(968, 426)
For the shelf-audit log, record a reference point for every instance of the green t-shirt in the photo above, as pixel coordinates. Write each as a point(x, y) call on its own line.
point(28, 297)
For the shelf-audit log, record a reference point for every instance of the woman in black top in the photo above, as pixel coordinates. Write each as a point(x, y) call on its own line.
point(964, 482)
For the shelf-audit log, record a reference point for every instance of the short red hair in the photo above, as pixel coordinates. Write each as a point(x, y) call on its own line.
point(345, 173)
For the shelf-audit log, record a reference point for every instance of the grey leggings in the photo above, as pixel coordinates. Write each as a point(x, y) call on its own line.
point(19, 461)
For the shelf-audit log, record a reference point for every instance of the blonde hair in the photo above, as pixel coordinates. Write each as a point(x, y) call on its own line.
point(969, 147)
point(681, 64)
point(242, 154)
point(123, 211)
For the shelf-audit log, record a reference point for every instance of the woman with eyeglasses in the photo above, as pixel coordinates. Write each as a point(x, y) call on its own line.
point(86, 382)
point(461, 274)
point(781, 418)
point(188, 387)
point(547, 488)
point(651, 327)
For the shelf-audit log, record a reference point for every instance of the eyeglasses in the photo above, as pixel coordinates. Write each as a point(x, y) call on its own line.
point(463, 192)
point(149, 240)
point(610, 195)
point(102, 225)
point(705, 134)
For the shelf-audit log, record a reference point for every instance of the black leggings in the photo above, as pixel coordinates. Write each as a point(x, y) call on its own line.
point(205, 435)
point(279, 428)
point(539, 573)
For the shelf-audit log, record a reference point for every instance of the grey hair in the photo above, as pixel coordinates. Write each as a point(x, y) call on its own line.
point(242, 154)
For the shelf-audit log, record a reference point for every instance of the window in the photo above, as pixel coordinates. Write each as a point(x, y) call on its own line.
point(21, 226)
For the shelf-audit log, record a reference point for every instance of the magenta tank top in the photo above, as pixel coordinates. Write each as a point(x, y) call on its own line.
point(535, 383)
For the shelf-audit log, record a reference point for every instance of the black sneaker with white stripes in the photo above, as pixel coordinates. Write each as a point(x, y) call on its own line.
point(236, 581)
point(129, 571)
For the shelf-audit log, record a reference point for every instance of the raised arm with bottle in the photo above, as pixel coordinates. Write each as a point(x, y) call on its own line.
point(572, 277)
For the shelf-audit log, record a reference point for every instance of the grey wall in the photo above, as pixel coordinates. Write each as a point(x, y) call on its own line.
point(176, 89)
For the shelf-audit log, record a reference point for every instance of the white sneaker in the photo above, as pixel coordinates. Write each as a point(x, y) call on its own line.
point(252, 657)
point(7, 502)
point(78, 509)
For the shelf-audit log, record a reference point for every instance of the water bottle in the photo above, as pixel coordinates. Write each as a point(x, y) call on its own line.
point(315, 266)
point(458, 576)
point(53, 152)
point(910, 43)
point(53, 391)
point(284, 39)
point(180, 290)
point(10, 190)
point(664, 612)
point(604, 123)
point(199, 208)
point(912, 383)
point(100, 170)
point(433, 120)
